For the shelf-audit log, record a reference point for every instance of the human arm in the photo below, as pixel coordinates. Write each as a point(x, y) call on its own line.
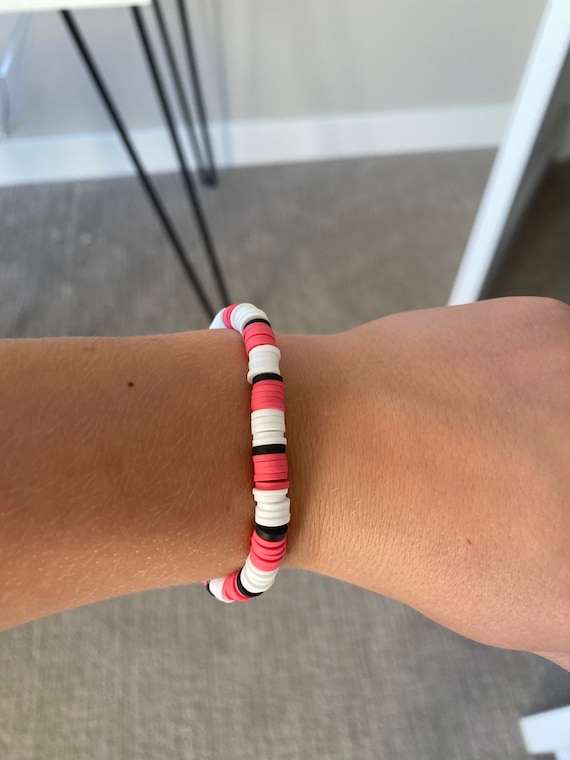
point(422, 466)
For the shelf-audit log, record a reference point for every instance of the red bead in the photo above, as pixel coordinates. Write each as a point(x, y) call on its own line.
point(271, 485)
point(230, 590)
point(227, 314)
point(268, 394)
point(266, 555)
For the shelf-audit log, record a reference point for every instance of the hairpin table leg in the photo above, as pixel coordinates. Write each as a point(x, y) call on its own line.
point(142, 174)
point(186, 176)
point(195, 78)
point(185, 106)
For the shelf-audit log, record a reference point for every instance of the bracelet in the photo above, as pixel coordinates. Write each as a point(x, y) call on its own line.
point(270, 470)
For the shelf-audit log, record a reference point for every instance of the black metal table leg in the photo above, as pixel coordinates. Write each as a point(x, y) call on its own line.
point(180, 92)
point(186, 176)
point(195, 78)
point(143, 176)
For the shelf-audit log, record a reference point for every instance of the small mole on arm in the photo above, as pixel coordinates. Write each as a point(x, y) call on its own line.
point(469, 541)
point(130, 384)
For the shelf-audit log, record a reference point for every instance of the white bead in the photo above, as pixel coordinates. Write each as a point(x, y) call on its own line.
point(255, 580)
point(252, 314)
point(272, 515)
point(263, 359)
point(218, 321)
point(262, 365)
point(239, 313)
point(269, 439)
point(266, 521)
point(267, 421)
point(244, 313)
point(269, 497)
point(216, 589)
point(265, 351)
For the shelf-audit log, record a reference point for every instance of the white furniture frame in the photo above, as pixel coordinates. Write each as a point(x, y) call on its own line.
point(537, 123)
point(548, 732)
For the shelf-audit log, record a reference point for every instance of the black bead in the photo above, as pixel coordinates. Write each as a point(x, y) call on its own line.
point(258, 319)
point(243, 590)
point(276, 533)
point(209, 591)
point(269, 448)
point(266, 376)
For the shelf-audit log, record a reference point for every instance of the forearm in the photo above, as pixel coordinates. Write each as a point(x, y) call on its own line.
point(125, 464)
point(105, 452)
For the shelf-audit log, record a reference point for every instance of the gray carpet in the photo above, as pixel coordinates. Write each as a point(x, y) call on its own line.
point(318, 668)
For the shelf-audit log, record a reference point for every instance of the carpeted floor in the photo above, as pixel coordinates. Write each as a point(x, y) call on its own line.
point(318, 668)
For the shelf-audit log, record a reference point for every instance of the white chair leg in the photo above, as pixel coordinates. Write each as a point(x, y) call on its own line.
point(526, 149)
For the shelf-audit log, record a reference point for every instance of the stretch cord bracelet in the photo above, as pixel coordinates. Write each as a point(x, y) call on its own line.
point(270, 471)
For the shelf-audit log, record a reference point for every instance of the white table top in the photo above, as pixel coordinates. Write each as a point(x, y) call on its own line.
point(23, 6)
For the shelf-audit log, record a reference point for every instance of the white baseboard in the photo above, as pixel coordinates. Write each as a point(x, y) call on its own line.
point(92, 156)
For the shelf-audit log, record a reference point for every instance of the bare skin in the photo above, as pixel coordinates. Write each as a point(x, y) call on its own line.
point(453, 484)
point(429, 455)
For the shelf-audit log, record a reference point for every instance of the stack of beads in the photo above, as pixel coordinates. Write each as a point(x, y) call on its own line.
point(270, 471)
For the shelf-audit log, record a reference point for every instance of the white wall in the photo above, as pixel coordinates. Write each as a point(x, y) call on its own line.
point(285, 81)
point(285, 59)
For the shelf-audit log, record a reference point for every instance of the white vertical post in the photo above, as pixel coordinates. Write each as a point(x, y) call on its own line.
point(550, 51)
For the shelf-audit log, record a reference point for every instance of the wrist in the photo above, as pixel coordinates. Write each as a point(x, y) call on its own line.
point(342, 434)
